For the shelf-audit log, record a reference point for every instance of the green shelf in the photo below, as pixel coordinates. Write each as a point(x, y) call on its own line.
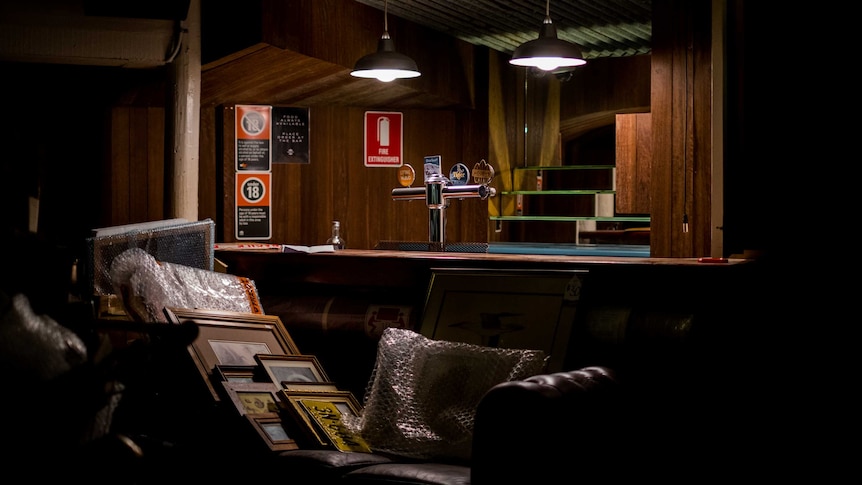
point(566, 219)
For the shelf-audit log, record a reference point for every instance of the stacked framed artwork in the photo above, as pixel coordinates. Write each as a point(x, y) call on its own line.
point(254, 369)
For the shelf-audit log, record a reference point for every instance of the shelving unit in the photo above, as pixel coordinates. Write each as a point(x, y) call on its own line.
point(603, 206)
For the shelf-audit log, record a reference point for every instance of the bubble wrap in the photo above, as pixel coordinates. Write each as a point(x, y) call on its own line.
point(36, 346)
point(147, 286)
point(42, 355)
point(172, 241)
point(422, 396)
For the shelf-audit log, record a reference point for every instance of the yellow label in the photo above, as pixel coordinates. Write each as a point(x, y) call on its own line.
point(328, 416)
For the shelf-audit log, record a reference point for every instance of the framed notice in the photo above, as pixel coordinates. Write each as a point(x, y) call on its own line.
point(253, 205)
point(507, 308)
point(384, 139)
point(253, 138)
point(290, 142)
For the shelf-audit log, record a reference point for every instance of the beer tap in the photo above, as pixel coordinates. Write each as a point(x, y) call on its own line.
point(437, 192)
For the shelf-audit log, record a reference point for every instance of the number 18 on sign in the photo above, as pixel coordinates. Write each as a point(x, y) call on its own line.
point(253, 198)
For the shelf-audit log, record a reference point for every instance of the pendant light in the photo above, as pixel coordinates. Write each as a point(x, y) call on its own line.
point(385, 65)
point(547, 52)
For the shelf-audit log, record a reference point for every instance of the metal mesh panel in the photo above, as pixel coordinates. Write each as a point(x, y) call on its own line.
point(186, 243)
point(422, 396)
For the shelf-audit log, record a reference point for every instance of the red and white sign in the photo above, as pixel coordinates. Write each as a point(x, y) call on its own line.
point(384, 139)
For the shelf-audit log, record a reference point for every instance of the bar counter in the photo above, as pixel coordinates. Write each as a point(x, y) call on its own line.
point(351, 270)
point(336, 303)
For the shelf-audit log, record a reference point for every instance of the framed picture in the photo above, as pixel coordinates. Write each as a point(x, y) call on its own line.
point(253, 397)
point(236, 373)
point(291, 368)
point(518, 309)
point(271, 429)
point(309, 386)
point(320, 414)
point(232, 338)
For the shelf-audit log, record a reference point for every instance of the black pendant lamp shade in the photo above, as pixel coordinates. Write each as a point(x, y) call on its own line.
point(548, 52)
point(385, 65)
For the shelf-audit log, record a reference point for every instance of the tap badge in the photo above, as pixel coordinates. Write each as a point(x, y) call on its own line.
point(459, 174)
point(483, 172)
point(406, 175)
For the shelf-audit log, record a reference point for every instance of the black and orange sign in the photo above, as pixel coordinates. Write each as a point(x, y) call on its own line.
point(253, 138)
point(253, 204)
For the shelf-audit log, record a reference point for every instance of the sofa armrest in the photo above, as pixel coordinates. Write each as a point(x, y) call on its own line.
point(547, 426)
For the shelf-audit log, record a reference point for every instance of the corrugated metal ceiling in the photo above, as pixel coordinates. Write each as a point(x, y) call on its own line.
point(606, 28)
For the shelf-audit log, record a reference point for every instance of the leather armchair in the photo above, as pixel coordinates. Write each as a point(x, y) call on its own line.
point(520, 427)
point(525, 430)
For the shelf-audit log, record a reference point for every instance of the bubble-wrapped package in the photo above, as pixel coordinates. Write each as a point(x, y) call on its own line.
point(147, 286)
point(174, 241)
point(35, 345)
point(422, 396)
point(43, 360)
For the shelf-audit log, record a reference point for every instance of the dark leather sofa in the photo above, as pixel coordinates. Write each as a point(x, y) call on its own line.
point(513, 433)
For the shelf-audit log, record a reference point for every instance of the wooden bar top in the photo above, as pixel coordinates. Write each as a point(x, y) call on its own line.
point(467, 257)
point(410, 271)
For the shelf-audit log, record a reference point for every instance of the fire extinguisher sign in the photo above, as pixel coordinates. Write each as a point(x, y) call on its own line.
point(253, 200)
point(384, 139)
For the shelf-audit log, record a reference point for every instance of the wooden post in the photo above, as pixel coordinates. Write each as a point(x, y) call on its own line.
point(184, 127)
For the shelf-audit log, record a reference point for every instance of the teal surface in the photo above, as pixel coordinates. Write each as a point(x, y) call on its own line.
point(629, 250)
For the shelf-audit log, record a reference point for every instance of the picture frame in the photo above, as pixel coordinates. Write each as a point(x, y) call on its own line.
point(309, 386)
point(236, 373)
point(231, 338)
point(253, 397)
point(506, 308)
point(291, 368)
point(320, 415)
point(272, 430)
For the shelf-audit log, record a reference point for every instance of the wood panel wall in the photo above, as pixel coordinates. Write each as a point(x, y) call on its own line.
point(596, 92)
point(681, 106)
point(336, 185)
point(135, 176)
point(633, 161)
point(445, 113)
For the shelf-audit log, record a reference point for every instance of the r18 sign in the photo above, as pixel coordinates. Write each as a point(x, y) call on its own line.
point(253, 218)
